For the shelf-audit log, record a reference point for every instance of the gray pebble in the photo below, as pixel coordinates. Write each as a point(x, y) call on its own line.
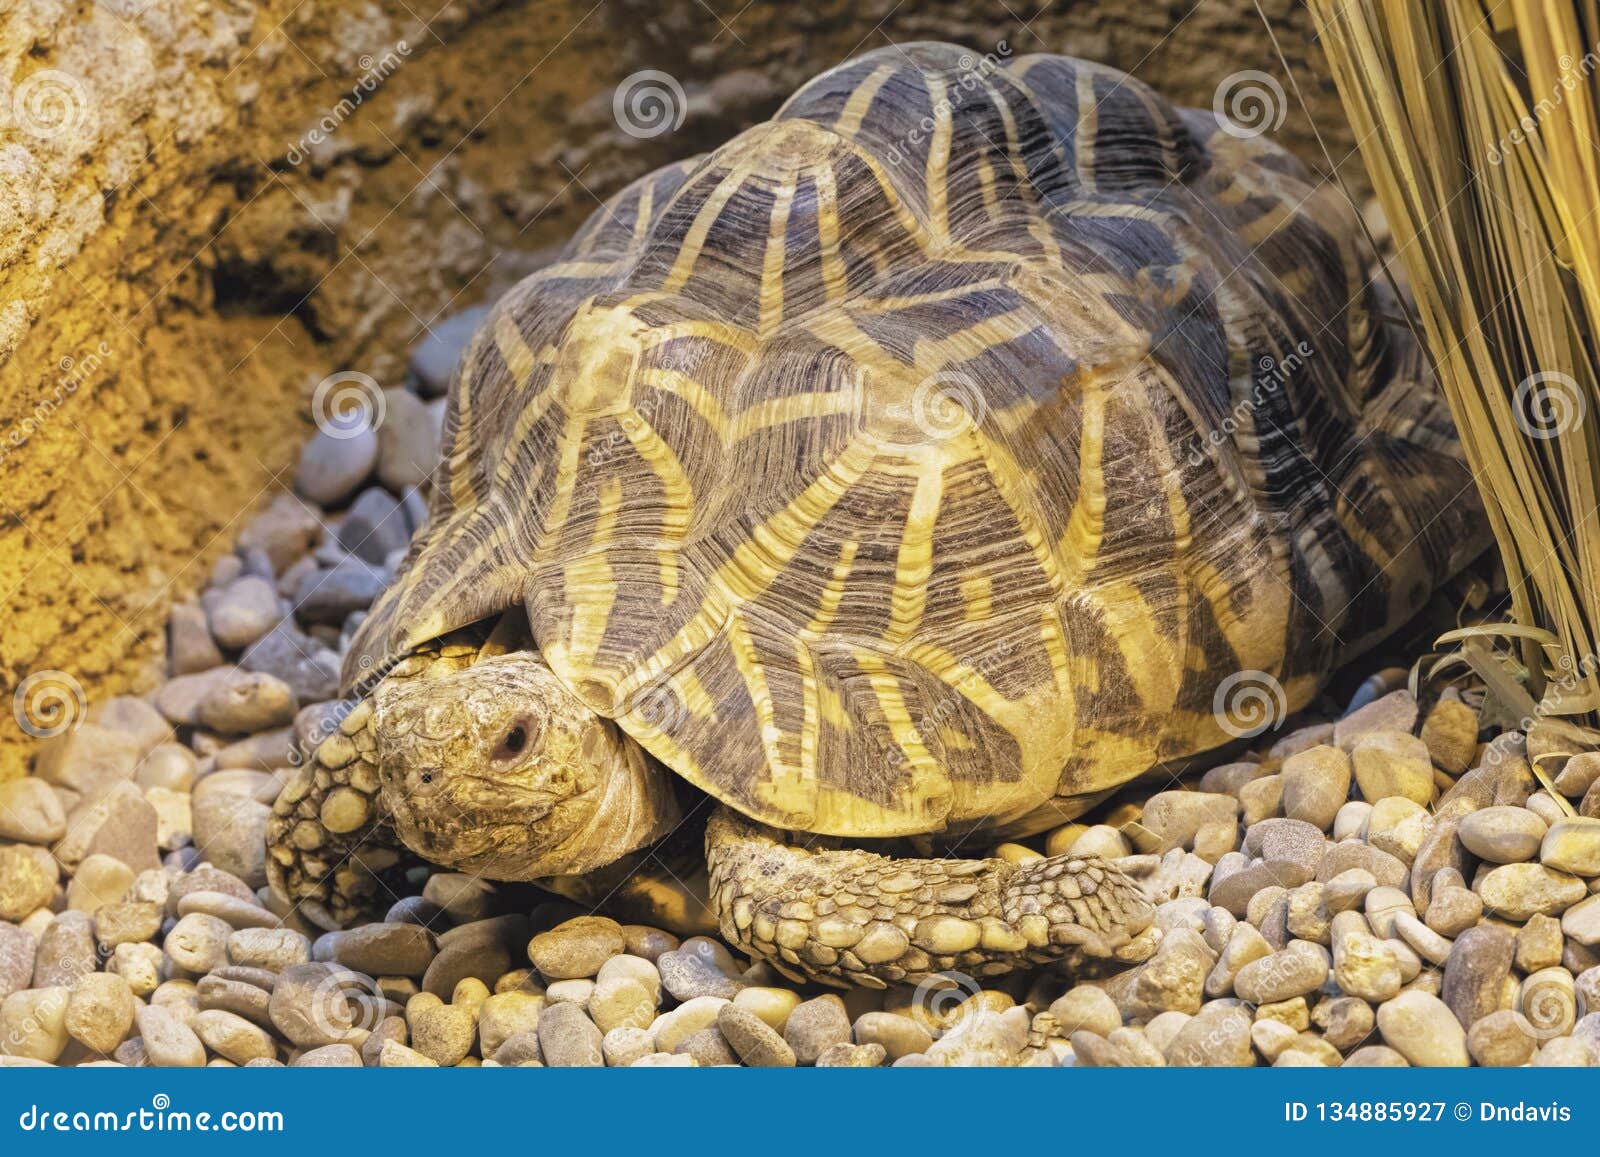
point(331, 468)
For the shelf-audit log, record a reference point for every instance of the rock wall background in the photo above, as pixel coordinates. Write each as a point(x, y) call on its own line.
point(181, 260)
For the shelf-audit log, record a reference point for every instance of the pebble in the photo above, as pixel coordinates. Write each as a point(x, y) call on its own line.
point(850, 1056)
point(1451, 735)
point(568, 1038)
point(395, 1055)
point(375, 527)
point(139, 965)
point(408, 442)
point(33, 1023)
point(190, 647)
point(167, 1040)
point(273, 949)
point(443, 1034)
point(1316, 784)
point(233, 1037)
point(1175, 817)
point(1475, 975)
point(1581, 922)
point(1393, 763)
point(1502, 835)
point(1518, 891)
point(99, 880)
point(815, 1025)
point(623, 1002)
point(18, 947)
point(1572, 845)
point(433, 359)
point(1421, 1028)
point(1294, 971)
point(1217, 1035)
point(30, 812)
point(386, 949)
point(328, 1057)
point(100, 1011)
point(198, 943)
point(245, 702)
point(504, 1015)
point(230, 831)
point(25, 883)
point(331, 595)
point(309, 669)
point(622, 1047)
point(577, 948)
point(687, 974)
point(1394, 712)
point(331, 469)
point(244, 611)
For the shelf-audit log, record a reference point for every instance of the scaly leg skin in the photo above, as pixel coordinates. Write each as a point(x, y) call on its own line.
point(849, 916)
point(330, 849)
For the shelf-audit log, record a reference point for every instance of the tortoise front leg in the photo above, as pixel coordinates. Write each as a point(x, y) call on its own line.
point(851, 916)
point(328, 842)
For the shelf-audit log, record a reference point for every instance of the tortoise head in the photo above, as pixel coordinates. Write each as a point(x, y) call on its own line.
point(496, 768)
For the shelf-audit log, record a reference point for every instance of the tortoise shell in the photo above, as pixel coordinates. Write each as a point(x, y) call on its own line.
point(917, 458)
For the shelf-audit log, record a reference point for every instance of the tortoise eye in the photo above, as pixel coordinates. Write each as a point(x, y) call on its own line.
point(518, 737)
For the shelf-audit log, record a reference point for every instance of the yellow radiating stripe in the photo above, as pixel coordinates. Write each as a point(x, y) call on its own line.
point(908, 600)
point(937, 172)
point(1150, 658)
point(925, 770)
point(1088, 126)
point(977, 596)
point(962, 676)
point(571, 448)
point(721, 332)
point(1003, 468)
point(933, 354)
point(833, 275)
point(795, 408)
point(833, 591)
point(696, 699)
point(1055, 647)
point(771, 313)
point(1038, 226)
point(519, 358)
point(695, 239)
point(588, 585)
point(678, 495)
point(641, 220)
point(758, 560)
point(849, 122)
point(747, 661)
point(1080, 542)
point(700, 400)
point(873, 306)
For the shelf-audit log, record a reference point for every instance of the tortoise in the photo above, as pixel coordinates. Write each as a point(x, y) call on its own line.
point(906, 474)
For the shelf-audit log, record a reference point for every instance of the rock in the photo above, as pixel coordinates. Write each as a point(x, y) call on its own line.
point(649, 943)
point(1579, 775)
point(623, 1046)
point(1171, 980)
point(331, 467)
point(25, 883)
point(167, 765)
point(623, 1002)
point(1564, 1053)
point(1452, 911)
point(328, 1057)
point(1244, 945)
point(1219, 1034)
point(1342, 857)
point(168, 1042)
point(1176, 816)
point(1394, 712)
point(190, 647)
point(230, 831)
point(1294, 971)
point(1351, 820)
point(1345, 1021)
point(481, 956)
point(1503, 1039)
point(1502, 835)
point(1375, 1057)
point(33, 1023)
point(330, 596)
point(309, 669)
point(1581, 922)
point(772, 1005)
point(120, 823)
point(198, 943)
point(317, 1004)
point(244, 611)
point(1427, 943)
point(1572, 845)
point(1392, 763)
point(577, 948)
point(1086, 1007)
point(238, 913)
point(284, 531)
point(444, 1034)
point(1422, 1029)
point(99, 880)
point(66, 951)
point(814, 1026)
point(506, 1014)
point(1348, 890)
point(670, 1028)
point(17, 949)
point(88, 759)
point(273, 949)
point(1261, 799)
point(100, 1011)
point(1316, 784)
point(1363, 966)
point(434, 358)
point(568, 1038)
point(408, 442)
point(1475, 974)
point(851, 1056)
point(230, 1035)
point(245, 702)
point(1518, 891)
point(30, 812)
point(687, 974)
point(139, 965)
point(380, 949)
point(1451, 735)
point(395, 1055)
point(1539, 944)
point(375, 527)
